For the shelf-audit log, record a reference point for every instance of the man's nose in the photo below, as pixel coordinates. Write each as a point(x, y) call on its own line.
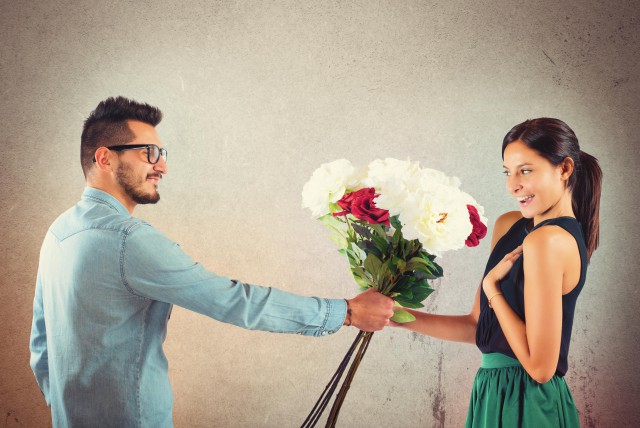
point(161, 166)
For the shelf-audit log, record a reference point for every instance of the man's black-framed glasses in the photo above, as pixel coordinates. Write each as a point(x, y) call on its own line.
point(153, 152)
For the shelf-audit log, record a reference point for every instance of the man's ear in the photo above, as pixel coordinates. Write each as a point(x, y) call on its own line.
point(103, 159)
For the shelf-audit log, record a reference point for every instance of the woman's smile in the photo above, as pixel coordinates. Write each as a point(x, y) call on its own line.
point(524, 200)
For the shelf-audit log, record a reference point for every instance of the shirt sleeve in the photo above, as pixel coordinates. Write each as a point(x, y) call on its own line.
point(38, 343)
point(155, 267)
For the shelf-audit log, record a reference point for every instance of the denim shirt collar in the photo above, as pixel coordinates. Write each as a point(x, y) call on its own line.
point(104, 198)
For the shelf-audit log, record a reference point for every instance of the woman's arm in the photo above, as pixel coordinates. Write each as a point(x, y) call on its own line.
point(536, 344)
point(456, 328)
point(459, 328)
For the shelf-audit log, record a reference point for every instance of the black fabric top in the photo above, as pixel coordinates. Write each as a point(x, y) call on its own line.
point(489, 334)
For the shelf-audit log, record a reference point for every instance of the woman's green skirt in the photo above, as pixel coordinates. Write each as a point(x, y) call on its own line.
point(504, 395)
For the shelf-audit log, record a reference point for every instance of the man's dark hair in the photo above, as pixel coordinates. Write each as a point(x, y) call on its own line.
point(107, 126)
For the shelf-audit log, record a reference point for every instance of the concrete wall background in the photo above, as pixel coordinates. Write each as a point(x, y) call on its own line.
point(256, 95)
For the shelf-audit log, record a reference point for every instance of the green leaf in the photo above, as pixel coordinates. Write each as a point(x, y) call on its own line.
point(339, 240)
point(405, 282)
point(399, 263)
point(421, 284)
point(424, 268)
point(401, 316)
point(438, 269)
point(329, 220)
point(363, 279)
point(409, 248)
point(379, 230)
point(393, 267)
point(395, 222)
point(413, 297)
point(361, 230)
point(405, 295)
point(353, 260)
point(383, 275)
point(397, 238)
point(419, 296)
point(334, 223)
point(409, 303)
point(361, 244)
point(361, 282)
point(372, 264)
point(416, 263)
point(381, 243)
point(426, 275)
point(358, 251)
point(368, 247)
point(375, 251)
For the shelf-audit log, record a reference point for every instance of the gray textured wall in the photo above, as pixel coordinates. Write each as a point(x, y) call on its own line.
point(256, 95)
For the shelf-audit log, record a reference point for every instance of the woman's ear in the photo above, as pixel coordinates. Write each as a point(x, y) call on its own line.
point(566, 168)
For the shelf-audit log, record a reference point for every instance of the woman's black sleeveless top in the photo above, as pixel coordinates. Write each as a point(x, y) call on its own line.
point(489, 335)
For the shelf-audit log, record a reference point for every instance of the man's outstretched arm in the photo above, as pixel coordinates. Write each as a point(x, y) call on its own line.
point(155, 267)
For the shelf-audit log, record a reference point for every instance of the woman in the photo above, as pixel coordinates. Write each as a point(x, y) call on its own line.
point(538, 262)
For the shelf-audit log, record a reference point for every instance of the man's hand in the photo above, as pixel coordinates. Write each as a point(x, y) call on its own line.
point(370, 311)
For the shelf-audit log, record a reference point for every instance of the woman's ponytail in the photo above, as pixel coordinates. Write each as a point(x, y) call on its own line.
point(586, 199)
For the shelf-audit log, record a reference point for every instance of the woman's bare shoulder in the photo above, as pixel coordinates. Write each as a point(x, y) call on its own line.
point(550, 238)
point(503, 224)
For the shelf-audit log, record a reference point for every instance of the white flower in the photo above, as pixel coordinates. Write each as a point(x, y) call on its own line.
point(327, 185)
point(437, 217)
point(428, 177)
point(393, 179)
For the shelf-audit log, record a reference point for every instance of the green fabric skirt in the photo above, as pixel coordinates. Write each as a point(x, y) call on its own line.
point(504, 395)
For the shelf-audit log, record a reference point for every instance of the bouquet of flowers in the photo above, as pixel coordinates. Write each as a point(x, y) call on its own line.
point(391, 219)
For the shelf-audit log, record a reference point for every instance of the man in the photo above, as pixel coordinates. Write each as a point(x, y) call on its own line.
point(107, 281)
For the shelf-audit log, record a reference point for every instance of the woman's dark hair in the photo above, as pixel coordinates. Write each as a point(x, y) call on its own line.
point(555, 141)
point(107, 126)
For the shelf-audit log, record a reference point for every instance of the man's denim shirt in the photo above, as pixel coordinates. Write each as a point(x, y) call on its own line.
point(105, 288)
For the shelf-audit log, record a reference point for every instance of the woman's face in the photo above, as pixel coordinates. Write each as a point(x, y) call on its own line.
point(538, 186)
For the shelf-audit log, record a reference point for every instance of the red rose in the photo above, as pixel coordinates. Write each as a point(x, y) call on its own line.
point(479, 229)
point(360, 204)
point(345, 203)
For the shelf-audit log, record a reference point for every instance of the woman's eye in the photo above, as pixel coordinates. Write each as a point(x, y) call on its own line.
point(506, 173)
point(525, 171)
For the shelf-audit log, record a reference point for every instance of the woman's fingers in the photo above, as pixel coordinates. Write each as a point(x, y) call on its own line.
point(514, 254)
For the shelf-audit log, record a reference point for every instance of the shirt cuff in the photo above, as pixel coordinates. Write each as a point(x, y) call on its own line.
point(335, 317)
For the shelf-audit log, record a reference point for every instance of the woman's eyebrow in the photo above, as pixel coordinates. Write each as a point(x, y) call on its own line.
point(521, 165)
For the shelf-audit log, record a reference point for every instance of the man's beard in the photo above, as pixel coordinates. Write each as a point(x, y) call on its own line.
point(132, 186)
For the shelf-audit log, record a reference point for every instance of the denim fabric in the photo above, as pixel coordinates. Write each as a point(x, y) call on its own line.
point(105, 288)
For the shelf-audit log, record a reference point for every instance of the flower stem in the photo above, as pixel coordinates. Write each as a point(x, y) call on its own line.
point(324, 399)
point(335, 409)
